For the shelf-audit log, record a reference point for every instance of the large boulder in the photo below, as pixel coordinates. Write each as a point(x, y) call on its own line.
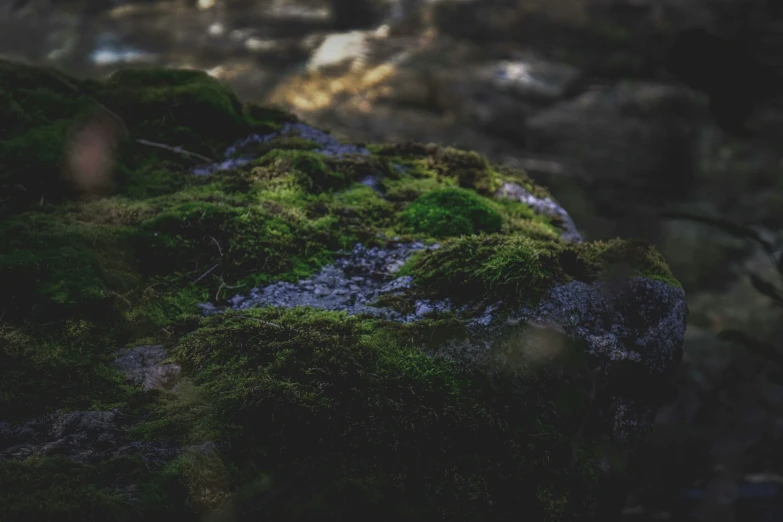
point(311, 329)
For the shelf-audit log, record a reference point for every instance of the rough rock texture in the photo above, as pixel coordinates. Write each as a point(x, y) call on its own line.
point(142, 365)
point(635, 324)
point(641, 323)
point(546, 206)
point(328, 146)
point(96, 436)
point(352, 285)
point(419, 374)
point(84, 436)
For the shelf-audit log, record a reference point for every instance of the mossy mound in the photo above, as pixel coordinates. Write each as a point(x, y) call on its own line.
point(519, 269)
point(451, 212)
point(364, 423)
point(43, 108)
point(315, 414)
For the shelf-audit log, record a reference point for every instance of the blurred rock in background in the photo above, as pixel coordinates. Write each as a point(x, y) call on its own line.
point(598, 99)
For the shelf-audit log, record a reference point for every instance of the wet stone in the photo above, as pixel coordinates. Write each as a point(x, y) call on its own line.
point(352, 284)
point(328, 146)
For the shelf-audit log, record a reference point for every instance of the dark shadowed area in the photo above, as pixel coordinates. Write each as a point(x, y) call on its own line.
point(659, 120)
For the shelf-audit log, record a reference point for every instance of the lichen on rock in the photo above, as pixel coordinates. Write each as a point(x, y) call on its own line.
point(306, 328)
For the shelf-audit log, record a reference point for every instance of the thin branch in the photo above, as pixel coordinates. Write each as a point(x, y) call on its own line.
point(224, 285)
point(124, 126)
point(218, 245)
point(108, 111)
point(178, 150)
point(205, 274)
point(260, 321)
point(122, 297)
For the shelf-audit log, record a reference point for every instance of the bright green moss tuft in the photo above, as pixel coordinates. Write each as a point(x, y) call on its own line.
point(450, 212)
point(515, 268)
point(520, 269)
point(310, 164)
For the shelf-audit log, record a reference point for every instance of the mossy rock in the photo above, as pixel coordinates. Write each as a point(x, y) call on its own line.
point(42, 108)
point(314, 414)
point(451, 212)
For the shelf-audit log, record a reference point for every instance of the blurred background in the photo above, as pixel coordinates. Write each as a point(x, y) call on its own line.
point(659, 119)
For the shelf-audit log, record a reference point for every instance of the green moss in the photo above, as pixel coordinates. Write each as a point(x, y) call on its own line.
point(286, 142)
point(49, 489)
point(120, 489)
point(310, 164)
point(116, 211)
point(51, 267)
point(362, 211)
point(470, 169)
point(520, 269)
point(244, 242)
point(187, 100)
point(176, 108)
point(506, 267)
point(450, 212)
point(349, 410)
point(160, 308)
point(410, 428)
point(60, 366)
point(622, 258)
point(408, 189)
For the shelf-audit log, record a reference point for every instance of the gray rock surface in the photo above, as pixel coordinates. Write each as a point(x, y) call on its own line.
point(85, 436)
point(144, 366)
point(352, 284)
point(94, 436)
point(329, 146)
point(545, 206)
point(639, 323)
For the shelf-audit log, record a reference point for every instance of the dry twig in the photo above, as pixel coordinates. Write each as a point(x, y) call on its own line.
point(220, 250)
point(205, 274)
point(178, 150)
point(260, 321)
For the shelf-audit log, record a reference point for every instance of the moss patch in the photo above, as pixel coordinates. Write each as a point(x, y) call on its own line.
point(450, 212)
point(318, 413)
point(56, 489)
point(373, 418)
point(58, 367)
point(42, 107)
point(520, 269)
